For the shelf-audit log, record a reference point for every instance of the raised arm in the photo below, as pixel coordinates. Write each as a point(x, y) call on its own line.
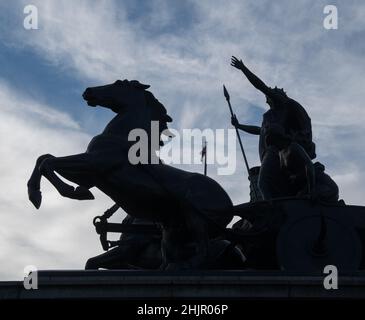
point(255, 81)
point(249, 129)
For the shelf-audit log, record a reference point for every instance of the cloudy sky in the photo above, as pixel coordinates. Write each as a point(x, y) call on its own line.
point(182, 49)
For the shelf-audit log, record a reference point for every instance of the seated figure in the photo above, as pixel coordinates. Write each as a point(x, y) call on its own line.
point(286, 148)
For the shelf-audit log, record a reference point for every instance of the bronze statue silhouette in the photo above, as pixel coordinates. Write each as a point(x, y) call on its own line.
point(181, 201)
point(286, 148)
point(177, 220)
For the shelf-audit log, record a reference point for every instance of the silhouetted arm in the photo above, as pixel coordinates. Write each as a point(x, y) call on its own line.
point(249, 129)
point(255, 81)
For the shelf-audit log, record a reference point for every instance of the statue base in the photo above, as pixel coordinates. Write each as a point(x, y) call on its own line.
point(125, 284)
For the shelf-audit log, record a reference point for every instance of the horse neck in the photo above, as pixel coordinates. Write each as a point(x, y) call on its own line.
point(137, 117)
point(123, 123)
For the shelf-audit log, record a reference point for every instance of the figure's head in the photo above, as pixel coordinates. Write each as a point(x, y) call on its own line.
point(269, 102)
point(278, 92)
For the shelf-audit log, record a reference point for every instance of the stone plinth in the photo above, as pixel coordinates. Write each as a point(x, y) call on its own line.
point(81, 284)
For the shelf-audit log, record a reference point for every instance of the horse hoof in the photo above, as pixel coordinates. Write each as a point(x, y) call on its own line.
point(35, 197)
point(82, 193)
point(90, 265)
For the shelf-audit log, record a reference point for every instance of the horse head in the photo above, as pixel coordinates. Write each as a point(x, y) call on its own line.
point(116, 96)
point(124, 96)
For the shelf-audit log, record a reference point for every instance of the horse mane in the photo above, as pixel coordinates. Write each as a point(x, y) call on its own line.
point(159, 112)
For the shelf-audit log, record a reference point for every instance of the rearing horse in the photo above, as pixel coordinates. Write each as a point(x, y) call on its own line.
point(181, 201)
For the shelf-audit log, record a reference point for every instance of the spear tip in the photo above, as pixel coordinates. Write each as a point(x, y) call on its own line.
point(225, 92)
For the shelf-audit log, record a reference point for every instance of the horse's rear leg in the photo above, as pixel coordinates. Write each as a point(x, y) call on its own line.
point(123, 256)
point(177, 236)
point(112, 259)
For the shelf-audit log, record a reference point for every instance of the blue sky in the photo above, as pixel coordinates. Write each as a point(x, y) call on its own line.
point(182, 49)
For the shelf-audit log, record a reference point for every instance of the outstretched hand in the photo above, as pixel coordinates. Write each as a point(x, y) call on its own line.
point(237, 63)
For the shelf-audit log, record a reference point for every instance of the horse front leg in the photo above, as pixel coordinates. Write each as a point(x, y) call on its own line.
point(201, 239)
point(72, 168)
point(34, 182)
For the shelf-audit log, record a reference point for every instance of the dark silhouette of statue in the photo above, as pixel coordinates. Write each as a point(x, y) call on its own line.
point(180, 201)
point(286, 148)
point(177, 220)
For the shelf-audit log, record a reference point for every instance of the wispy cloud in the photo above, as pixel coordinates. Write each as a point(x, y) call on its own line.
point(29, 237)
point(184, 54)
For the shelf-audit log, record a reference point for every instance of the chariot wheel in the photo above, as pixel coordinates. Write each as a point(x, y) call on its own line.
point(310, 242)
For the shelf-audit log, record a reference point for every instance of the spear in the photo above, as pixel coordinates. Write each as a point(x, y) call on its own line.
point(238, 134)
point(204, 156)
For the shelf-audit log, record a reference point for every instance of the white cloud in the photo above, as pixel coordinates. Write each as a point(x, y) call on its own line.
point(16, 106)
point(60, 234)
point(283, 41)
